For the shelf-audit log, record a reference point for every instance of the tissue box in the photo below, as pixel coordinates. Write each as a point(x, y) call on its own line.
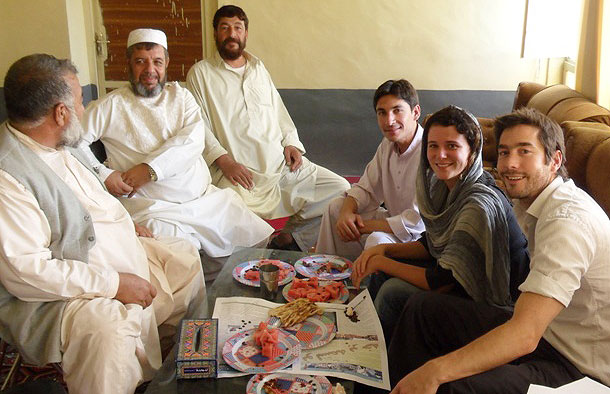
point(196, 356)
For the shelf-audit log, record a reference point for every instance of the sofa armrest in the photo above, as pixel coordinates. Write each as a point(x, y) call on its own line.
point(524, 93)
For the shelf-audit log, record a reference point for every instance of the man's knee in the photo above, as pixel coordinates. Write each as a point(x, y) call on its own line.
point(378, 238)
point(335, 206)
point(101, 317)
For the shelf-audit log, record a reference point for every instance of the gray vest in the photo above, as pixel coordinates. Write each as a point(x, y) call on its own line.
point(35, 327)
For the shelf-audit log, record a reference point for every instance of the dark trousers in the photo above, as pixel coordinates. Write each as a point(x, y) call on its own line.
point(433, 325)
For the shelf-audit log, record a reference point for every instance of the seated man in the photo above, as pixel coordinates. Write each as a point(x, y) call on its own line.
point(154, 137)
point(259, 154)
point(559, 330)
point(77, 285)
point(357, 220)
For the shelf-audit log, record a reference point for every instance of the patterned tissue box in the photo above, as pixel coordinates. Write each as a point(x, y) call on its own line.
point(197, 350)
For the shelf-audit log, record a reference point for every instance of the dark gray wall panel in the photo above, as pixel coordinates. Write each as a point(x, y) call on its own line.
point(339, 129)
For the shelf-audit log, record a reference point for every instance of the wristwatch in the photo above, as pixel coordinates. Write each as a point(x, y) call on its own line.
point(152, 173)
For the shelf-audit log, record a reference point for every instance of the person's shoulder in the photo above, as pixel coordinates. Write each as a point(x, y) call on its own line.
point(112, 98)
point(568, 201)
point(202, 65)
point(174, 86)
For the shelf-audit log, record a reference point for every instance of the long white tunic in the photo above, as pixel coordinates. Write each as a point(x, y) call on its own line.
point(251, 123)
point(167, 133)
point(29, 272)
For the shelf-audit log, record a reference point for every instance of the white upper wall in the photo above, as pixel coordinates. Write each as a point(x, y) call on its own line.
point(436, 44)
point(324, 44)
point(29, 27)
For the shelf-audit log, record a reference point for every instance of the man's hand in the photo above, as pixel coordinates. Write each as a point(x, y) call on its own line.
point(142, 231)
point(420, 381)
point(293, 157)
point(115, 185)
point(136, 177)
point(235, 172)
point(349, 225)
point(365, 264)
point(376, 225)
point(135, 290)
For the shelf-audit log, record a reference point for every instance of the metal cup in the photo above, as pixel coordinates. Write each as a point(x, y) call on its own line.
point(269, 275)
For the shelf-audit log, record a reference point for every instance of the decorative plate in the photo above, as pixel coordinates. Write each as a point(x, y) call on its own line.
point(241, 271)
point(241, 352)
point(286, 383)
point(315, 331)
point(319, 265)
point(343, 295)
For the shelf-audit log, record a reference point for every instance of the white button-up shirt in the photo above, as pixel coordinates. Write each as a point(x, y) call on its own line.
point(569, 240)
point(390, 179)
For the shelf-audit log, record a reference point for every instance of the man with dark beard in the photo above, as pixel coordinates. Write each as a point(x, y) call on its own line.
point(154, 138)
point(77, 284)
point(259, 154)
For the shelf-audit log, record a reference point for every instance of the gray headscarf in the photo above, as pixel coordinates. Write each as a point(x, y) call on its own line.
point(466, 228)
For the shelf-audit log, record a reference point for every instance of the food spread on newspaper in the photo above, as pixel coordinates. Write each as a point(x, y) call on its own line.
point(357, 352)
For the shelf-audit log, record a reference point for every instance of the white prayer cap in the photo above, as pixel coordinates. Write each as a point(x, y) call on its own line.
point(147, 35)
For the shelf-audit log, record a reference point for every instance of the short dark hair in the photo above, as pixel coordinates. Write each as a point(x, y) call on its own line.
point(36, 83)
point(464, 122)
point(400, 88)
point(550, 134)
point(144, 45)
point(229, 11)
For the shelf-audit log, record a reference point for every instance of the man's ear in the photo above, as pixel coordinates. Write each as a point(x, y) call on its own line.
point(416, 112)
point(61, 114)
point(556, 161)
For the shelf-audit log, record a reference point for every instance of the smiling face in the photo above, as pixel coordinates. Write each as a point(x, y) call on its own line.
point(522, 163)
point(448, 153)
point(147, 70)
point(397, 121)
point(231, 35)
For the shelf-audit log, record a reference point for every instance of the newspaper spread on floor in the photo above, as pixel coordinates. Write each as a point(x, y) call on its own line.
point(357, 352)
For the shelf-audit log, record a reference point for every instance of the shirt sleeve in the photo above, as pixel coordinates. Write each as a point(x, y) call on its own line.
point(94, 125)
point(407, 226)
point(213, 149)
point(563, 251)
point(27, 268)
point(185, 147)
point(437, 276)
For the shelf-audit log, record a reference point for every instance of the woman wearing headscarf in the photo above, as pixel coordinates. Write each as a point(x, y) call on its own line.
point(472, 245)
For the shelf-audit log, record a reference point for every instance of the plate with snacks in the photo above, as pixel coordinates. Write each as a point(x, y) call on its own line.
point(248, 273)
point(261, 350)
point(324, 266)
point(316, 290)
point(315, 331)
point(284, 383)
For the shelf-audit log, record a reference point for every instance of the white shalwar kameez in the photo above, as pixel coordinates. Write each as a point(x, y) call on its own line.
point(389, 179)
point(251, 124)
point(167, 133)
point(107, 346)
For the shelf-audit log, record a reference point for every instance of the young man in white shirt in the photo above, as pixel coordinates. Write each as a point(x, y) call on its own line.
point(356, 220)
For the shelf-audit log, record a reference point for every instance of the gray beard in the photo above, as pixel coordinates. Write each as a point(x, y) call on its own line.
point(140, 90)
point(73, 133)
